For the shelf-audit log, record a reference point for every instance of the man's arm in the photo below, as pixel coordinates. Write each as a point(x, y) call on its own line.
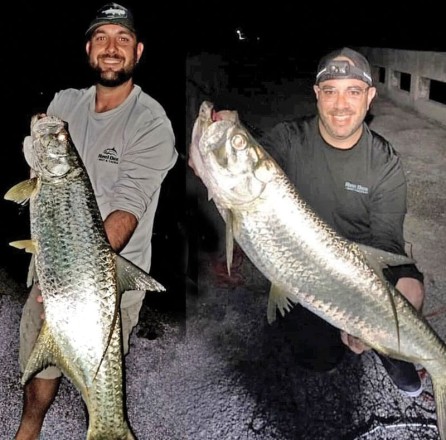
point(119, 227)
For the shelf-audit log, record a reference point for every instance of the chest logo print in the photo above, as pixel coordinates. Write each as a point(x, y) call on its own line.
point(109, 155)
point(356, 187)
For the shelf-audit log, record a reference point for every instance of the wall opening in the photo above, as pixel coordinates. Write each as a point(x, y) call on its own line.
point(405, 81)
point(437, 91)
point(382, 75)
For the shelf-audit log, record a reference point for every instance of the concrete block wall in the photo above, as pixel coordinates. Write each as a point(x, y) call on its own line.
point(422, 67)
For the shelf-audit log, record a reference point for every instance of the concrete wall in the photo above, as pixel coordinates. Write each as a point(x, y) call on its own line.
point(406, 77)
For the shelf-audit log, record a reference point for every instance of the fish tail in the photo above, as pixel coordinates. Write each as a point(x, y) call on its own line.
point(439, 384)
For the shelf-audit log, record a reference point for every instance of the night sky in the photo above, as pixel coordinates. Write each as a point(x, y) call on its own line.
point(293, 27)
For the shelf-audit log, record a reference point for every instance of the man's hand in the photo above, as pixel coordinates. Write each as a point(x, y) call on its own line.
point(354, 344)
point(39, 299)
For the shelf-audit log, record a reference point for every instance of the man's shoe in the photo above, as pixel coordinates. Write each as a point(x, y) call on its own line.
point(403, 374)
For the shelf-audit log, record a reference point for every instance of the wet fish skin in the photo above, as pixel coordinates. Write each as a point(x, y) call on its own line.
point(306, 261)
point(80, 276)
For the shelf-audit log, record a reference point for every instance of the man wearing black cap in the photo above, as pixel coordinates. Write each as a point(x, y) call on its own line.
point(353, 179)
point(127, 143)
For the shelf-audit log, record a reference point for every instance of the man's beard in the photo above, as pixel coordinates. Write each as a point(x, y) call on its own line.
point(119, 77)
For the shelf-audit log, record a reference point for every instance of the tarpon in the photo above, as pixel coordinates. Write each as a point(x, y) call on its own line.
point(305, 260)
point(80, 277)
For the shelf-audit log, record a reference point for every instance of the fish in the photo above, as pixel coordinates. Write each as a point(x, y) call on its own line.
point(306, 261)
point(81, 278)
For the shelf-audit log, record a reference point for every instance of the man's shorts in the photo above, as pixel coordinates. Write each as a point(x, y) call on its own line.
point(31, 322)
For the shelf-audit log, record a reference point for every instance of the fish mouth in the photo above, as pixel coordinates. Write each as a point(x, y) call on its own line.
point(208, 115)
point(217, 115)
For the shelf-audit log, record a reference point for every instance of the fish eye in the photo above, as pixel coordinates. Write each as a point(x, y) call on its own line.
point(62, 137)
point(239, 141)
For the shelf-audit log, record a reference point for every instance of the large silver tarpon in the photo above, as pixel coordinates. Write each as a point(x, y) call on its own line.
point(306, 261)
point(80, 277)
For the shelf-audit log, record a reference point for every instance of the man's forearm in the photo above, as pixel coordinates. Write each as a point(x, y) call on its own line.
point(119, 227)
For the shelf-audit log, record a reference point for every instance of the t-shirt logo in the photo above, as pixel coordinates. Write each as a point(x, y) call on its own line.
point(356, 187)
point(109, 155)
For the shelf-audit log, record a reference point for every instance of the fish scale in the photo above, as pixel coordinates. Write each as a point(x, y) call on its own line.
point(80, 276)
point(305, 260)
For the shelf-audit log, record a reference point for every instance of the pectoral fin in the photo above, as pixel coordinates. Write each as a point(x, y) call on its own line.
point(32, 273)
point(30, 246)
point(23, 191)
point(229, 241)
point(380, 259)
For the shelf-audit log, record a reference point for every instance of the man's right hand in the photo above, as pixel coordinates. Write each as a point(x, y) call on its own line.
point(39, 299)
point(353, 343)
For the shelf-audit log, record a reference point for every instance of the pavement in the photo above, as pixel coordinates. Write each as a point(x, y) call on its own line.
point(220, 372)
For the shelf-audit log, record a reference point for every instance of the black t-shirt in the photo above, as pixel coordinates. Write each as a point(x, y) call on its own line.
point(361, 192)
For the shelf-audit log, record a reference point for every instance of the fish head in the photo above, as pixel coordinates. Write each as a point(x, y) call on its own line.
point(227, 158)
point(206, 117)
point(50, 153)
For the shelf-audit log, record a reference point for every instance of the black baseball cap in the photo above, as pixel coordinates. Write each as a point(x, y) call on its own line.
point(112, 13)
point(344, 63)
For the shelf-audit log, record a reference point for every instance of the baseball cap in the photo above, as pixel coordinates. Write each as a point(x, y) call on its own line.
point(344, 63)
point(112, 13)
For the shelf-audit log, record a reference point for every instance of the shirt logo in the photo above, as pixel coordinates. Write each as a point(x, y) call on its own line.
point(356, 187)
point(109, 155)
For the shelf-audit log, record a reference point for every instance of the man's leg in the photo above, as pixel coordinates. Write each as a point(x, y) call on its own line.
point(38, 395)
point(131, 304)
point(315, 342)
point(39, 392)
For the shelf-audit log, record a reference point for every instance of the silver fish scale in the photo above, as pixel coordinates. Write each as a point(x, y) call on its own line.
point(76, 270)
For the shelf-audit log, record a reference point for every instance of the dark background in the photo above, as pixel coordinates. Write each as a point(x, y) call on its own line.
point(306, 28)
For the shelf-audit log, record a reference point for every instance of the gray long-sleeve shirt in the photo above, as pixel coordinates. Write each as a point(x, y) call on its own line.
point(127, 152)
point(361, 192)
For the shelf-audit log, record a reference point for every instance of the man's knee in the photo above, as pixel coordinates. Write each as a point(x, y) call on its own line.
point(413, 290)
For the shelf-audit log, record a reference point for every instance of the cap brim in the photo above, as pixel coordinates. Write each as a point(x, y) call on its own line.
point(119, 22)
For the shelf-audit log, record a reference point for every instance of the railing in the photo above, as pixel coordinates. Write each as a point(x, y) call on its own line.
point(412, 79)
